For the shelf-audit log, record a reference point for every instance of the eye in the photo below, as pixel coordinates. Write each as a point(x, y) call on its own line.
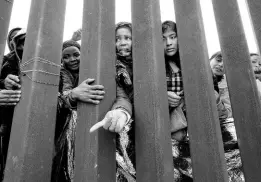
point(164, 39)
point(65, 57)
point(127, 38)
point(76, 55)
point(173, 36)
point(118, 39)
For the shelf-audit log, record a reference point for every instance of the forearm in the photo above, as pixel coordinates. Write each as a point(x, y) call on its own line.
point(122, 101)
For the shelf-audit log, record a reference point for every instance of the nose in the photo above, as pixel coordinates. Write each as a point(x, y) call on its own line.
point(168, 42)
point(123, 42)
point(72, 58)
point(221, 64)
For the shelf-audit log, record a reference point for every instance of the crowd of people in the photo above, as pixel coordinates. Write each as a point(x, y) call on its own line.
point(120, 119)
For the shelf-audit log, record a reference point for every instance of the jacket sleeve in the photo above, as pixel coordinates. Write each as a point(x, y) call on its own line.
point(7, 68)
point(65, 88)
point(122, 101)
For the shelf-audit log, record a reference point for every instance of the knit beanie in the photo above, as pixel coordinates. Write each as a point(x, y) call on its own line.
point(70, 43)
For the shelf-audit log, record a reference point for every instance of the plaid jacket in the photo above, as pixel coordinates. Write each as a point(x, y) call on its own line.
point(175, 83)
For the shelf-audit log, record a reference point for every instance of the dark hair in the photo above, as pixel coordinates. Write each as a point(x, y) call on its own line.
point(124, 25)
point(170, 25)
point(253, 54)
point(70, 43)
point(216, 55)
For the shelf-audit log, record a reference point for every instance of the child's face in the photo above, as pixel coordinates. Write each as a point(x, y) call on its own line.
point(170, 43)
point(217, 66)
point(71, 58)
point(256, 63)
point(123, 41)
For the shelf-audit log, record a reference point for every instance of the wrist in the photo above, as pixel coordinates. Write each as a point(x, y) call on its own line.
point(73, 95)
point(128, 117)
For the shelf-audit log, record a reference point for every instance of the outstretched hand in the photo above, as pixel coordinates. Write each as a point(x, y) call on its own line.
point(77, 35)
point(114, 121)
point(9, 97)
point(86, 92)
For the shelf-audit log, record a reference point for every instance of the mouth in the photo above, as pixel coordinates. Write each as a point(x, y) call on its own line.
point(219, 69)
point(124, 50)
point(74, 65)
point(170, 50)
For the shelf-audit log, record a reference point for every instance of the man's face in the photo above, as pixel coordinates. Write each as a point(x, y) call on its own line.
point(170, 43)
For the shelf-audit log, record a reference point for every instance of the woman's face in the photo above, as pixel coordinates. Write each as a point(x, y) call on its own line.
point(217, 66)
point(170, 43)
point(123, 41)
point(71, 58)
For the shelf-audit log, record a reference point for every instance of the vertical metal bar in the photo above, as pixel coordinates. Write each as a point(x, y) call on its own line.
point(205, 138)
point(95, 152)
point(242, 85)
point(32, 137)
point(254, 7)
point(153, 138)
point(5, 16)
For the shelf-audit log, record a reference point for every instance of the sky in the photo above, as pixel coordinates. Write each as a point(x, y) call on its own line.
point(74, 9)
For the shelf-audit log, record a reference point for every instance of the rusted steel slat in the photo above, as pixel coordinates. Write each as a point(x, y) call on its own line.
point(32, 137)
point(5, 16)
point(254, 7)
point(242, 86)
point(153, 138)
point(206, 146)
point(95, 152)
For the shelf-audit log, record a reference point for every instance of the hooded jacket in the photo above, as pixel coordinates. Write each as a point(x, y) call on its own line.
point(11, 61)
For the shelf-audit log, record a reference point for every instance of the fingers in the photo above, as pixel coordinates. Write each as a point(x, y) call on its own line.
point(12, 83)
point(10, 92)
point(79, 31)
point(97, 92)
point(108, 119)
point(8, 104)
point(9, 96)
point(172, 95)
point(173, 101)
point(113, 121)
point(9, 101)
point(13, 77)
point(96, 87)
point(96, 97)
point(97, 126)
point(92, 101)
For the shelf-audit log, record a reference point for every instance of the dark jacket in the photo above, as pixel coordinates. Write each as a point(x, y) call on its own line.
point(68, 81)
point(124, 81)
